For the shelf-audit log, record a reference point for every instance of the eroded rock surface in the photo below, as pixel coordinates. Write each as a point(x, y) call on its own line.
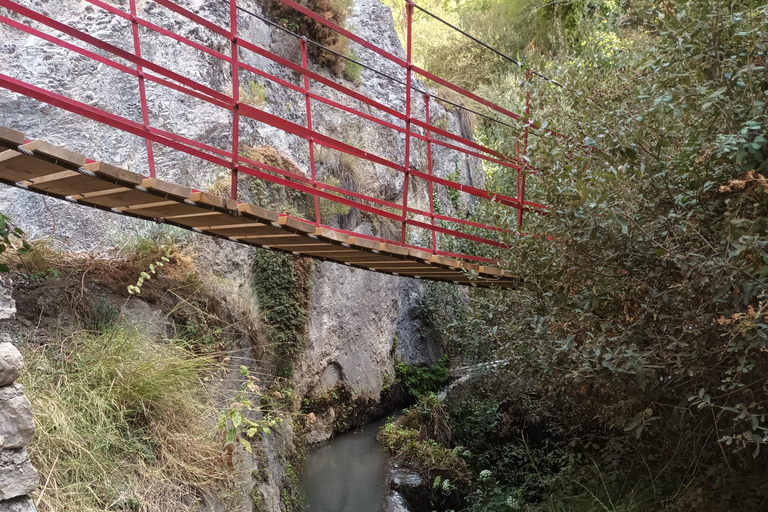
point(22, 504)
point(16, 423)
point(17, 475)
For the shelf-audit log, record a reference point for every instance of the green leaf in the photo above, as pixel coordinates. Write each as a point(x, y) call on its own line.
point(231, 434)
point(237, 418)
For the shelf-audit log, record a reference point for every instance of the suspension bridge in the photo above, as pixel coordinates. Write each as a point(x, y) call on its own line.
point(44, 168)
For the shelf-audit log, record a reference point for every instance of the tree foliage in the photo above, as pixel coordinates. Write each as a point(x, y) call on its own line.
point(646, 307)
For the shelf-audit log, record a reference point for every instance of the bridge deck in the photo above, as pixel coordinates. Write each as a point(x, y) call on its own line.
point(51, 170)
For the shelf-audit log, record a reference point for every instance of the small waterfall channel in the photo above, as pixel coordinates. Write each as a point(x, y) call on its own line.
point(347, 474)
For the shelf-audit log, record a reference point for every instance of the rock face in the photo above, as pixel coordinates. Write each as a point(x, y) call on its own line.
point(395, 502)
point(358, 320)
point(406, 490)
point(343, 329)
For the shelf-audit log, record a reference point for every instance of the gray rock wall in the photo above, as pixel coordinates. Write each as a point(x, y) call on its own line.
point(358, 319)
point(18, 477)
point(356, 315)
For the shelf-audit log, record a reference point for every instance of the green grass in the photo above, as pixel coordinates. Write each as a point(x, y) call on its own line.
point(252, 93)
point(121, 423)
point(351, 69)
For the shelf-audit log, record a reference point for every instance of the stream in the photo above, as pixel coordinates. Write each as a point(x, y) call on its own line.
point(347, 474)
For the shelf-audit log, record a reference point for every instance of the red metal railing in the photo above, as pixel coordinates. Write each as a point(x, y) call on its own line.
point(147, 71)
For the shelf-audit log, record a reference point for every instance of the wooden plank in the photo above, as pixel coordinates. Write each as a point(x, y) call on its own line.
point(17, 167)
point(387, 264)
point(235, 231)
point(251, 210)
point(306, 244)
point(170, 210)
point(330, 252)
point(110, 172)
point(350, 255)
point(136, 207)
point(214, 200)
point(394, 249)
point(448, 262)
point(69, 183)
point(422, 255)
point(166, 188)
point(331, 235)
point(364, 243)
point(120, 197)
point(270, 240)
point(491, 271)
point(60, 155)
point(296, 224)
point(10, 138)
point(53, 177)
point(202, 221)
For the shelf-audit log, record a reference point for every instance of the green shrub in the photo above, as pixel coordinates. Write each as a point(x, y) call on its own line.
point(253, 93)
point(283, 283)
point(420, 380)
point(102, 315)
point(419, 440)
point(352, 70)
point(332, 10)
point(7, 233)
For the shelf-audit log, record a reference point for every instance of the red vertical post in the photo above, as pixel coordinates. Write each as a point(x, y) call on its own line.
point(142, 88)
point(521, 174)
point(235, 96)
point(429, 171)
point(308, 100)
point(407, 166)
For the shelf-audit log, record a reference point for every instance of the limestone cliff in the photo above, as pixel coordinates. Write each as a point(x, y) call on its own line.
point(357, 320)
point(355, 315)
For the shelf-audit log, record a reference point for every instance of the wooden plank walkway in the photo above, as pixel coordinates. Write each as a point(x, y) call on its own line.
point(51, 170)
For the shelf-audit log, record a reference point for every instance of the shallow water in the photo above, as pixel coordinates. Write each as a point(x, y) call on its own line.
point(347, 474)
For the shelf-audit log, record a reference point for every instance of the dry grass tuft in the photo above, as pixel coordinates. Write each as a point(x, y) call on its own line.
point(333, 10)
point(123, 422)
point(467, 120)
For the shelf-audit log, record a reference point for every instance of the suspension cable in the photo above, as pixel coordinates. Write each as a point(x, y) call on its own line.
point(487, 46)
point(378, 72)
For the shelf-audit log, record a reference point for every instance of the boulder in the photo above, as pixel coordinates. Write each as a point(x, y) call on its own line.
point(408, 485)
point(16, 423)
point(394, 502)
point(17, 475)
point(22, 504)
point(11, 361)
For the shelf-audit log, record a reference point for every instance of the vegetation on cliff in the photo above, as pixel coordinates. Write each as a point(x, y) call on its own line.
point(637, 346)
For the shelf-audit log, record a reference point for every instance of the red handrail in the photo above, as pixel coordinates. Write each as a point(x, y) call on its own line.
point(146, 70)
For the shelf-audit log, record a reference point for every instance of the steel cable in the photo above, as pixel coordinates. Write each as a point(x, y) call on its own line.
point(378, 72)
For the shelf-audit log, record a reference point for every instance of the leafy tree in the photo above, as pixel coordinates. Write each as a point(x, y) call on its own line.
point(645, 309)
